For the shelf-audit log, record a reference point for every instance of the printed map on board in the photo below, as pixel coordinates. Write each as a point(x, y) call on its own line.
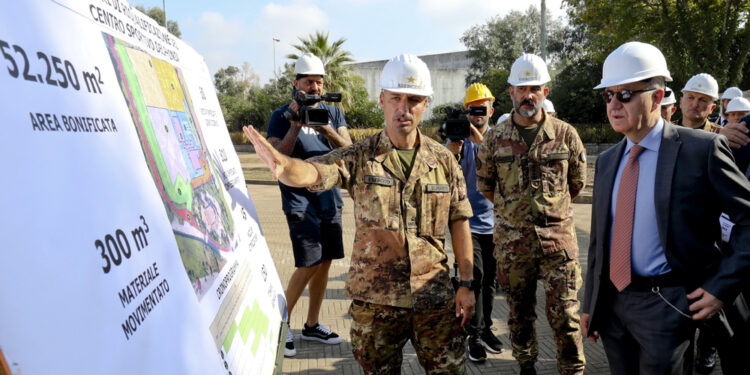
point(174, 148)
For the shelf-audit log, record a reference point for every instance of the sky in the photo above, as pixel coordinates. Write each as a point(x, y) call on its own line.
point(230, 32)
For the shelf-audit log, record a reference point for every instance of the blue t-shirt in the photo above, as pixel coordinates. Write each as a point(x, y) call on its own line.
point(309, 143)
point(483, 221)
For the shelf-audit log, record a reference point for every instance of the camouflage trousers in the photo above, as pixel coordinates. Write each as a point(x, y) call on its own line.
point(518, 272)
point(379, 333)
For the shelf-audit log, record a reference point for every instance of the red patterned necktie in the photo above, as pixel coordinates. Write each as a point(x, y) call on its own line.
point(622, 233)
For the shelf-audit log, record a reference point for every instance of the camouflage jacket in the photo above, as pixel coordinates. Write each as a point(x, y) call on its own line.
point(708, 126)
point(712, 127)
point(533, 186)
point(399, 257)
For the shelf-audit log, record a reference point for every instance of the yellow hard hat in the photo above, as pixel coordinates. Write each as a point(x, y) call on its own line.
point(477, 91)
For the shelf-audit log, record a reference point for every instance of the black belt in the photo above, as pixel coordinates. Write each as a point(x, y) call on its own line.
point(641, 283)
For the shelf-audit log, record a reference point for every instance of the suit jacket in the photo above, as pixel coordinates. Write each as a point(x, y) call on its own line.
point(696, 180)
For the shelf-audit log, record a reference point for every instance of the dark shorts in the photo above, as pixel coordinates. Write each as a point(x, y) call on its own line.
point(315, 237)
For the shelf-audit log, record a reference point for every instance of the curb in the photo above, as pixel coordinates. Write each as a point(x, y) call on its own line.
point(260, 182)
point(584, 199)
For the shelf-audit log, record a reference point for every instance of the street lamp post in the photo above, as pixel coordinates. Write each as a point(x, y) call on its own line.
point(274, 57)
point(544, 31)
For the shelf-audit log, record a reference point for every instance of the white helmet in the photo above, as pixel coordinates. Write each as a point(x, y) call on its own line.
point(633, 62)
point(309, 64)
point(738, 104)
point(406, 74)
point(528, 70)
point(548, 106)
point(731, 93)
point(668, 99)
point(502, 118)
point(703, 83)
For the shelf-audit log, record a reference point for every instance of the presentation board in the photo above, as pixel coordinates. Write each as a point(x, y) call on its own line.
point(131, 242)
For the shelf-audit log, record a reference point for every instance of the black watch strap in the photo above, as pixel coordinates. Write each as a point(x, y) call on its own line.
point(466, 283)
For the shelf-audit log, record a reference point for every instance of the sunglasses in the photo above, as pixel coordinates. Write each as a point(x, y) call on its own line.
point(623, 96)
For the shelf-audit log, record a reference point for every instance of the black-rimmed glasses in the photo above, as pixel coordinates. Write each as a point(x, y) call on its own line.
point(623, 96)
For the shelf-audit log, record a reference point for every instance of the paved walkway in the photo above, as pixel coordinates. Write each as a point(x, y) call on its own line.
point(316, 358)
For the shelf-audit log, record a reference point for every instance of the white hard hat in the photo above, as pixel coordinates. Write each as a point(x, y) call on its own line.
point(668, 99)
point(633, 62)
point(703, 83)
point(503, 118)
point(548, 106)
point(738, 104)
point(406, 74)
point(528, 70)
point(309, 64)
point(731, 93)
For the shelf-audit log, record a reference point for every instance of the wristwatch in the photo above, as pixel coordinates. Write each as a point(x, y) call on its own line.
point(466, 284)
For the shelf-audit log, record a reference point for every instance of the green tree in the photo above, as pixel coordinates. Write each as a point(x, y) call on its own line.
point(695, 36)
point(274, 94)
point(364, 113)
point(234, 86)
point(499, 42)
point(157, 14)
point(573, 95)
point(235, 81)
point(338, 74)
point(237, 111)
point(497, 81)
point(227, 82)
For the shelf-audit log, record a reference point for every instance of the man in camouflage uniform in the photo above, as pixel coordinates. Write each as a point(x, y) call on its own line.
point(406, 189)
point(697, 103)
point(531, 166)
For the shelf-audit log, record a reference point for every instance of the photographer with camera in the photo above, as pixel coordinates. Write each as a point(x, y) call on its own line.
point(465, 137)
point(532, 166)
point(314, 218)
point(408, 192)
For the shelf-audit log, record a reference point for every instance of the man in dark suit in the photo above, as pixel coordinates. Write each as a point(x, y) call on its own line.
point(667, 185)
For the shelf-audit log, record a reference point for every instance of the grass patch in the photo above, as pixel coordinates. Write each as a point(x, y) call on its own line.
point(258, 173)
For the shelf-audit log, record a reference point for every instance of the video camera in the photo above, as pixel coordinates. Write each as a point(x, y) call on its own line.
point(307, 113)
point(457, 126)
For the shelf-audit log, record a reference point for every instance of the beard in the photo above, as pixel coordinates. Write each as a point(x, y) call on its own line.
point(479, 122)
point(527, 113)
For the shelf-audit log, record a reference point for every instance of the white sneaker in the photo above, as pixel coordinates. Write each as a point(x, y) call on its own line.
point(289, 350)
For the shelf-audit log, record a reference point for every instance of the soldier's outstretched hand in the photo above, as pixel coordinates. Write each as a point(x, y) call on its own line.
point(272, 158)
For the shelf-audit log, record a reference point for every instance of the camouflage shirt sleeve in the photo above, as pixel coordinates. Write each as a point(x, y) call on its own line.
point(335, 168)
point(576, 163)
point(460, 206)
point(485, 166)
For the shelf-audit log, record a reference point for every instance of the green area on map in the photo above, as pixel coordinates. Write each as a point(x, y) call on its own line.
point(254, 320)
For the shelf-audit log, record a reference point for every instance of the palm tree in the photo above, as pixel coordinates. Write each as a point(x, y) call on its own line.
point(338, 75)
